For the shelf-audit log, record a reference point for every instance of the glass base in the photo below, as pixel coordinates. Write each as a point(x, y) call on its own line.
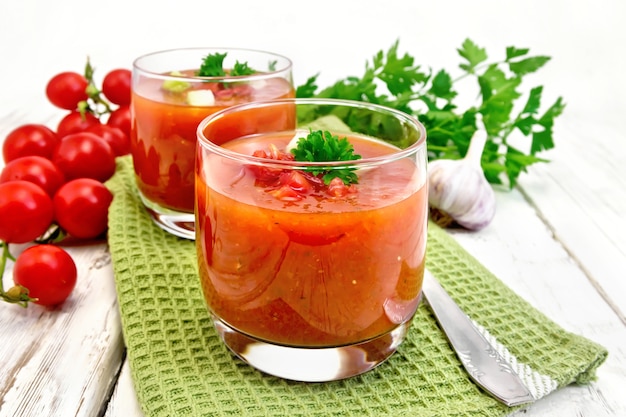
point(314, 364)
point(178, 223)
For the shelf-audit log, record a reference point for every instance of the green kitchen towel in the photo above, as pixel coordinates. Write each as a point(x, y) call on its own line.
point(180, 367)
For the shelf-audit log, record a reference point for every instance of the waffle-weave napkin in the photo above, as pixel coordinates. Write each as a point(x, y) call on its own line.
point(181, 368)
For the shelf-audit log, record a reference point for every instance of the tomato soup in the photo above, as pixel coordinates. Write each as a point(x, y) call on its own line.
point(318, 272)
point(163, 135)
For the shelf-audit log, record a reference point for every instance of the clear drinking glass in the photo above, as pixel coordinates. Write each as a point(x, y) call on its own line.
point(308, 281)
point(168, 102)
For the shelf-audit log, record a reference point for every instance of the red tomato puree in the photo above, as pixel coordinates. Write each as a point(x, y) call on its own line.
point(322, 271)
point(163, 136)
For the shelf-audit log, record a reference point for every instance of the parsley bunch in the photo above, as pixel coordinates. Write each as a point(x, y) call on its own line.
point(323, 146)
point(430, 96)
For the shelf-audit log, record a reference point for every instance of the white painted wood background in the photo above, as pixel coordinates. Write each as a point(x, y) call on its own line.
point(559, 240)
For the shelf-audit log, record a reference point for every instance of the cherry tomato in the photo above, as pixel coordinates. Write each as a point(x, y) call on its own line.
point(84, 155)
point(116, 86)
point(36, 169)
point(117, 140)
point(75, 122)
point(67, 89)
point(26, 211)
point(82, 207)
point(120, 118)
point(29, 139)
point(48, 272)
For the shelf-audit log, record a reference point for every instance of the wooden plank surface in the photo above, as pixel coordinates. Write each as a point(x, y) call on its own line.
point(582, 196)
point(64, 361)
point(559, 241)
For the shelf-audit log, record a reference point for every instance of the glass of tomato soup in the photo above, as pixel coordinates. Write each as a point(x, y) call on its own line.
point(172, 91)
point(311, 222)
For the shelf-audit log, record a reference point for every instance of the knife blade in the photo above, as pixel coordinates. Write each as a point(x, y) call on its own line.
point(485, 366)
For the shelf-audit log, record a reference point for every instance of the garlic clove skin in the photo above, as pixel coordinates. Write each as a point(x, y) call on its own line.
point(460, 190)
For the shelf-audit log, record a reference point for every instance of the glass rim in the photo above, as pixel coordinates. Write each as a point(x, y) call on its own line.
point(260, 76)
point(414, 148)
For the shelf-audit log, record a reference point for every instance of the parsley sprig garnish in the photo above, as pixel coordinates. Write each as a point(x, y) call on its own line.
point(213, 66)
point(431, 95)
point(241, 68)
point(323, 146)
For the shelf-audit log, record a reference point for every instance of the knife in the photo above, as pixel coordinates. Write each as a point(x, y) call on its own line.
point(485, 366)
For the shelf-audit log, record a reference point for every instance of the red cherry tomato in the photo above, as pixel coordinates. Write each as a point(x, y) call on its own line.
point(117, 140)
point(116, 86)
point(75, 122)
point(29, 139)
point(82, 207)
point(84, 155)
point(35, 169)
point(26, 211)
point(120, 118)
point(67, 89)
point(48, 272)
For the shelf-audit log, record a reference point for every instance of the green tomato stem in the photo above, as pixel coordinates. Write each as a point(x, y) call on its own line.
point(16, 294)
point(3, 261)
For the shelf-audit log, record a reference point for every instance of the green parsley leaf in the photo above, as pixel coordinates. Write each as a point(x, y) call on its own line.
point(399, 74)
point(513, 52)
point(542, 139)
point(307, 89)
point(212, 66)
point(323, 146)
point(534, 101)
point(442, 86)
point(525, 125)
point(517, 161)
point(473, 54)
point(528, 65)
point(241, 69)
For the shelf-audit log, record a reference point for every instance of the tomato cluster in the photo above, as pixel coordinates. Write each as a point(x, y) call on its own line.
point(52, 184)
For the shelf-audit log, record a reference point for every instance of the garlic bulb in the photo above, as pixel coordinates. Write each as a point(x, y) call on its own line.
point(458, 189)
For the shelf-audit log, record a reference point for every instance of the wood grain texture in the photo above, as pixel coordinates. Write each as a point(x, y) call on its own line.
point(581, 194)
point(63, 362)
point(124, 401)
point(559, 240)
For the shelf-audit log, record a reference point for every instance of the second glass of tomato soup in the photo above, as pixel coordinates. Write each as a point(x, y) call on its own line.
point(172, 91)
point(311, 219)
